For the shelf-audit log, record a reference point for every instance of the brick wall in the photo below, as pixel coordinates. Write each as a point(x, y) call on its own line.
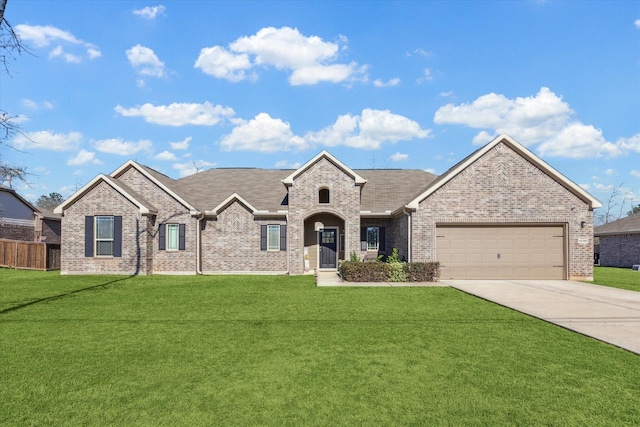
point(231, 243)
point(170, 211)
point(51, 229)
point(503, 187)
point(303, 203)
point(103, 200)
point(17, 232)
point(620, 250)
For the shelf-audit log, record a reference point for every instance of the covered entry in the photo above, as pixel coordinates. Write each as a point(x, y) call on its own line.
point(501, 252)
point(323, 241)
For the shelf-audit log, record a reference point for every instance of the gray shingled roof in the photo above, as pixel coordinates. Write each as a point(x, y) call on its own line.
point(628, 225)
point(385, 190)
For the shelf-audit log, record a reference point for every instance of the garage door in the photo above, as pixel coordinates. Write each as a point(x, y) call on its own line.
point(490, 252)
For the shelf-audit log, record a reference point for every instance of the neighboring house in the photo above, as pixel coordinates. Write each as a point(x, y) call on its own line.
point(619, 242)
point(20, 220)
point(502, 212)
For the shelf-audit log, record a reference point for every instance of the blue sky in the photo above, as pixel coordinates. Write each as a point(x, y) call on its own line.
point(183, 86)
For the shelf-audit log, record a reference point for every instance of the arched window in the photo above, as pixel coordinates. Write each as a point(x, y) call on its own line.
point(323, 195)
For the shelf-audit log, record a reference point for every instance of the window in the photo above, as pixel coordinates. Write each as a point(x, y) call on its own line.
point(323, 195)
point(372, 238)
point(172, 237)
point(104, 236)
point(273, 237)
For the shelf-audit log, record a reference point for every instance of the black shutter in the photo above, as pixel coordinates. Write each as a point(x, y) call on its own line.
point(161, 237)
point(363, 238)
point(181, 239)
point(88, 236)
point(263, 237)
point(283, 237)
point(117, 236)
point(382, 239)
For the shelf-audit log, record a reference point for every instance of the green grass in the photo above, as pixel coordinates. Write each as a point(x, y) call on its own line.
point(623, 278)
point(245, 350)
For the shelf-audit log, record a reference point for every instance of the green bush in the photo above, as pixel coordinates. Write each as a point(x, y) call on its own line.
point(422, 271)
point(354, 271)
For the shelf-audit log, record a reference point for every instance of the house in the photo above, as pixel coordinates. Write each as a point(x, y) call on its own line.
point(502, 212)
point(20, 220)
point(619, 242)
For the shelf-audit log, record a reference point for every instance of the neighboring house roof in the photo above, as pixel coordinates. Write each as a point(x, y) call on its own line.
point(524, 152)
point(145, 207)
point(628, 225)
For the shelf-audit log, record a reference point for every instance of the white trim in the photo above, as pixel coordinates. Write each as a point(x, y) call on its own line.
point(523, 151)
point(142, 170)
point(95, 181)
point(324, 154)
point(20, 222)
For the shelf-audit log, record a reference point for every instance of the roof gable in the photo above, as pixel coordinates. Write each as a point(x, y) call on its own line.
point(127, 192)
point(324, 155)
point(522, 151)
point(162, 181)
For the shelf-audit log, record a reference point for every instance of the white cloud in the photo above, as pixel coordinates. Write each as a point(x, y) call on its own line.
point(609, 172)
point(398, 157)
point(44, 36)
point(34, 105)
point(423, 53)
point(448, 94)
point(145, 61)
point(122, 148)
point(310, 60)
point(544, 119)
point(263, 134)
point(369, 130)
point(637, 23)
point(47, 140)
point(166, 155)
point(392, 82)
point(222, 64)
point(585, 186)
point(150, 12)
point(635, 173)
point(181, 145)
point(427, 76)
point(190, 168)
point(431, 170)
point(83, 157)
point(179, 114)
point(283, 164)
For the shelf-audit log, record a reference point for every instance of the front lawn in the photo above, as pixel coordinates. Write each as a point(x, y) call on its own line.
point(249, 350)
point(623, 278)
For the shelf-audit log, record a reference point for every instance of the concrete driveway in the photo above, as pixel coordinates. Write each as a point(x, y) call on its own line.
point(607, 314)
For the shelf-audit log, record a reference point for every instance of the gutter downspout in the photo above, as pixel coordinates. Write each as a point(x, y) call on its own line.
point(408, 214)
point(199, 218)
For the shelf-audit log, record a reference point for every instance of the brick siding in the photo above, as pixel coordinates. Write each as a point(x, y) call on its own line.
point(620, 250)
point(502, 187)
point(17, 232)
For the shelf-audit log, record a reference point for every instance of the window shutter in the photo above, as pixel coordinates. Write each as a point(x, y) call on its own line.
point(117, 236)
point(283, 237)
point(263, 237)
point(181, 238)
point(161, 237)
point(88, 236)
point(363, 238)
point(382, 239)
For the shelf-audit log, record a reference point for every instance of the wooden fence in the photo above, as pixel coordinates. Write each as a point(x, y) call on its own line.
point(29, 255)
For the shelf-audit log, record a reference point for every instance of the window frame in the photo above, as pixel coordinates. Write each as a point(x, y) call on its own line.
point(98, 239)
point(167, 234)
point(270, 246)
point(371, 248)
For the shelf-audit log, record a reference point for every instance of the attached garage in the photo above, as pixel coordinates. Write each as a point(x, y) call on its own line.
point(501, 252)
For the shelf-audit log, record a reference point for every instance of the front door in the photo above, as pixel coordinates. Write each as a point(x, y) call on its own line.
point(328, 249)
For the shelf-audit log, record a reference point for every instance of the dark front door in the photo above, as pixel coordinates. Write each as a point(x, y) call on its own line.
point(328, 249)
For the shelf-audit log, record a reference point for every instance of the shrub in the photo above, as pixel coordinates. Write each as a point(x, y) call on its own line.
point(422, 271)
point(353, 271)
point(354, 256)
point(397, 272)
